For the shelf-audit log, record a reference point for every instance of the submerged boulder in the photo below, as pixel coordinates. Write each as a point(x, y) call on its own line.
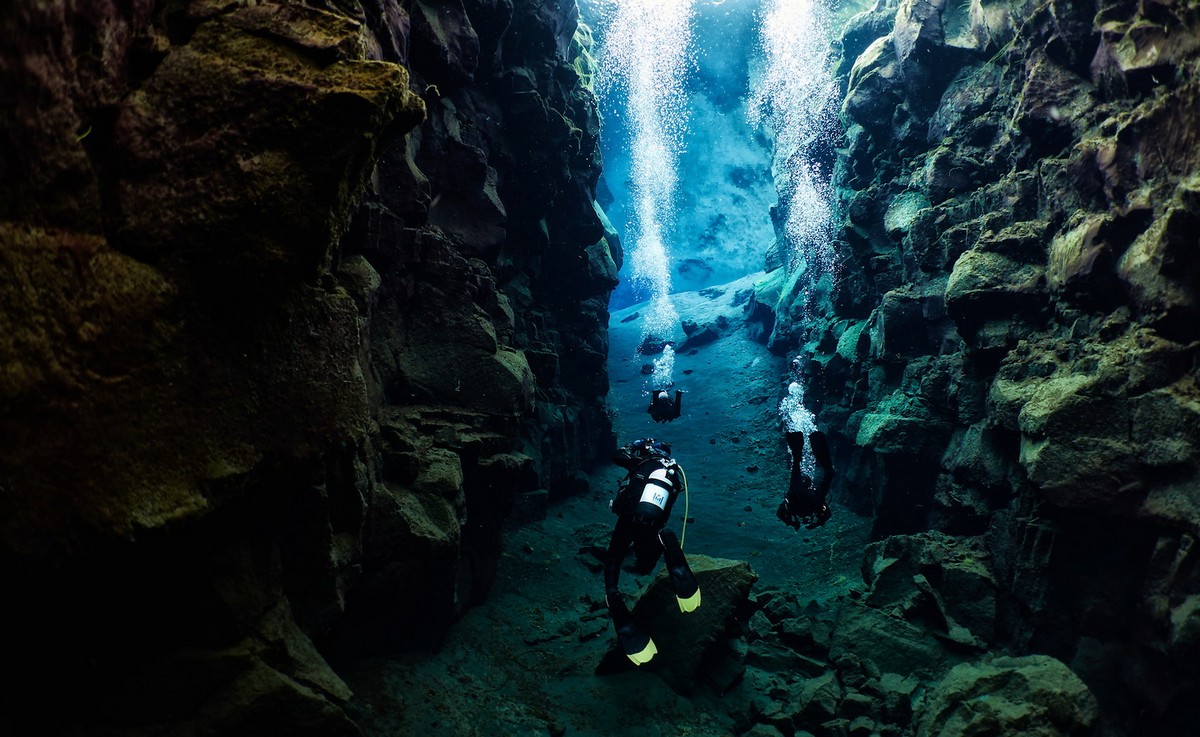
point(930, 601)
point(926, 61)
point(1036, 696)
point(985, 285)
point(873, 92)
point(888, 641)
point(684, 640)
point(937, 579)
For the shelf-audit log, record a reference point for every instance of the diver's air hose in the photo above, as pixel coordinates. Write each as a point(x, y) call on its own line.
point(686, 503)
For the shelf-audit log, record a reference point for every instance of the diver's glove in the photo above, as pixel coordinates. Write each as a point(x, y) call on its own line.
point(784, 513)
point(792, 517)
point(818, 518)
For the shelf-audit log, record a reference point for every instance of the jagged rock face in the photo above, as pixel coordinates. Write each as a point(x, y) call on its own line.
point(1018, 186)
point(482, 272)
point(907, 653)
point(1034, 695)
point(279, 337)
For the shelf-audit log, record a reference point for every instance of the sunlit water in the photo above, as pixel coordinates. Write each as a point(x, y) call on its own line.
point(644, 66)
point(645, 62)
point(795, 101)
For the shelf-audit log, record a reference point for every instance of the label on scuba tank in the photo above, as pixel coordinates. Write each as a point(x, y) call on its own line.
point(656, 496)
point(655, 491)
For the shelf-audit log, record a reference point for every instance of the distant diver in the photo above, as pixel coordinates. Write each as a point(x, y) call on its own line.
point(664, 409)
point(643, 505)
point(807, 502)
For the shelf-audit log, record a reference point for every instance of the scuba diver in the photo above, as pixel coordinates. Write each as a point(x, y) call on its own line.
point(662, 408)
point(806, 502)
point(643, 505)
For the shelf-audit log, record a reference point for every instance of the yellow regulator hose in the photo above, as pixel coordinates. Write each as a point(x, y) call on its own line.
point(686, 503)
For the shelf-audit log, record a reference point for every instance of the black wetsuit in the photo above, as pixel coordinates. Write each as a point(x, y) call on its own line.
point(807, 502)
point(662, 408)
point(643, 506)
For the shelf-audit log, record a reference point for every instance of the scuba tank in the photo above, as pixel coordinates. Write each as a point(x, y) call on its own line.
point(649, 492)
point(657, 489)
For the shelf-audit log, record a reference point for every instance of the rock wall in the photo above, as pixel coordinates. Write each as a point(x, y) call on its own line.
point(296, 299)
point(482, 271)
point(1009, 354)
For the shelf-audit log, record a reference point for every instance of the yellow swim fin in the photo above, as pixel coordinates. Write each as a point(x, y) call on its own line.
point(645, 655)
point(635, 643)
point(690, 603)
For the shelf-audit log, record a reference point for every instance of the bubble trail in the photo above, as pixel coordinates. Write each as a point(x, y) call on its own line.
point(645, 62)
point(796, 101)
point(664, 366)
point(798, 418)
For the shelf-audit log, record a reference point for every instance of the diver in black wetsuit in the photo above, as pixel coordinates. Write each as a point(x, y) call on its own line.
point(662, 408)
point(643, 505)
point(807, 502)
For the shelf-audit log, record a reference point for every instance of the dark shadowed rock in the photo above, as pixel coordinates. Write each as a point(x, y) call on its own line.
point(266, 348)
point(685, 640)
point(701, 336)
point(986, 285)
point(1185, 631)
point(872, 90)
point(1034, 695)
point(1055, 104)
point(1135, 55)
point(444, 43)
point(893, 695)
point(1160, 267)
point(926, 61)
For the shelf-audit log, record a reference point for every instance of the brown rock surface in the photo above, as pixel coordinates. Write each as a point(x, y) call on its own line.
point(264, 341)
point(1035, 695)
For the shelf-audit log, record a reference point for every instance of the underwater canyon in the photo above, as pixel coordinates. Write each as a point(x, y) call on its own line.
point(320, 321)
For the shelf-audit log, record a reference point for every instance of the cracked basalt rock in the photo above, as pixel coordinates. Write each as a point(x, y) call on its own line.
point(1011, 349)
point(284, 283)
point(1037, 695)
point(179, 457)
